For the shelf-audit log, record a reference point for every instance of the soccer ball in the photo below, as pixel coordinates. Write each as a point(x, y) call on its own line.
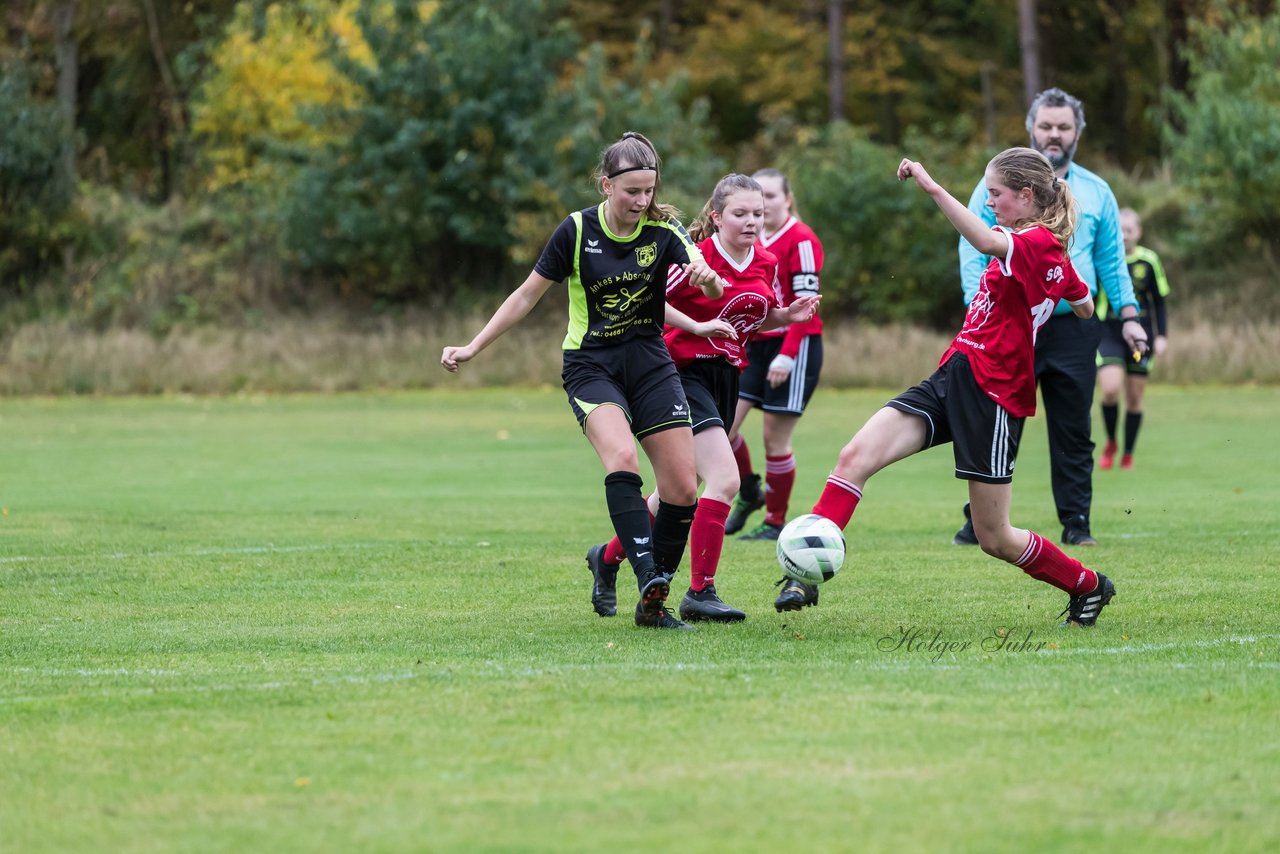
point(811, 549)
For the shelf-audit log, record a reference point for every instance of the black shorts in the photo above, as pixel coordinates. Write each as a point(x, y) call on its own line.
point(791, 397)
point(712, 388)
point(984, 435)
point(638, 377)
point(1112, 350)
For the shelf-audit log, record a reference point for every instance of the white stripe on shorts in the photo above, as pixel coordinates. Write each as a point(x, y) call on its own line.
point(1000, 444)
point(795, 391)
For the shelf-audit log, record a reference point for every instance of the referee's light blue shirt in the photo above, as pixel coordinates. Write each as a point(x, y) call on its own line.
point(1097, 249)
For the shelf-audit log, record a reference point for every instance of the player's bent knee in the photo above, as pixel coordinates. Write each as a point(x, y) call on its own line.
point(678, 489)
point(722, 488)
point(858, 460)
point(682, 497)
point(997, 545)
point(620, 460)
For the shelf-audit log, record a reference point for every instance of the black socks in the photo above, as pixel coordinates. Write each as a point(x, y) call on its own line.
point(1111, 417)
point(1132, 421)
point(630, 517)
point(671, 535)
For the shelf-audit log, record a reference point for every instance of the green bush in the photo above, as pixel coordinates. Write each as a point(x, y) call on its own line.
point(35, 188)
point(155, 268)
point(596, 108)
point(456, 170)
point(1225, 146)
point(890, 254)
point(448, 133)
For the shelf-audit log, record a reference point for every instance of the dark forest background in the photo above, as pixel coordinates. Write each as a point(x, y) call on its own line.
point(172, 164)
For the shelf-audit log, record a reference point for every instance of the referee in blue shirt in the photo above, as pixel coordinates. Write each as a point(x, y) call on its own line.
point(1067, 346)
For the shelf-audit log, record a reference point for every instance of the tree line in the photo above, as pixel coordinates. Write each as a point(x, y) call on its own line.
point(167, 162)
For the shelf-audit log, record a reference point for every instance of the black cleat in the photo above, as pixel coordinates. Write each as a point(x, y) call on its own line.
point(795, 595)
point(1075, 532)
point(604, 589)
point(750, 499)
point(1083, 610)
point(764, 531)
point(966, 536)
point(654, 589)
point(705, 604)
point(657, 618)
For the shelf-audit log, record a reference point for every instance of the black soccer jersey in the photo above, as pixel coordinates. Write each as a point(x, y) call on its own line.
point(617, 285)
point(1150, 287)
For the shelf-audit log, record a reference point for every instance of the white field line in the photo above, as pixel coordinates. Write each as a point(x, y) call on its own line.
point(340, 679)
point(1130, 649)
point(241, 550)
point(284, 549)
point(905, 663)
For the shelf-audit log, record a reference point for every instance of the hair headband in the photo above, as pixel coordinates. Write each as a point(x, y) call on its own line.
point(632, 169)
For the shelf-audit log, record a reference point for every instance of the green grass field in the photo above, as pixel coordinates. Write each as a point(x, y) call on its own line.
point(361, 623)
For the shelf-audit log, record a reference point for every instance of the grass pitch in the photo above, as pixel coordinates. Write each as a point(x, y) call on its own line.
point(361, 623)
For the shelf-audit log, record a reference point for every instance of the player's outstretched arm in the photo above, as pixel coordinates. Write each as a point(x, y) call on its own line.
point(714, 328)
point(511, 312)
point(801, 310)
point(969, 224)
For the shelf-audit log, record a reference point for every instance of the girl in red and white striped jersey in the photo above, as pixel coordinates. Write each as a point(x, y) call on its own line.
point(784, 365)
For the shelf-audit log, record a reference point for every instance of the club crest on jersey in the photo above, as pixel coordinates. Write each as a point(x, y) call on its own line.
point(979, 310)
point(646, 255)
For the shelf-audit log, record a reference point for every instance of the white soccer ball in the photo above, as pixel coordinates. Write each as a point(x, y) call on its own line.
point(811, 549)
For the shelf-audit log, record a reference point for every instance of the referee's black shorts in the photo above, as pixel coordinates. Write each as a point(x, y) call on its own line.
point(637, 376)
point(1112, 349)
point(984, 436)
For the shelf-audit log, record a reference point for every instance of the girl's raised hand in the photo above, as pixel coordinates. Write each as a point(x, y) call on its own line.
point(911, 169)
point(454, 356)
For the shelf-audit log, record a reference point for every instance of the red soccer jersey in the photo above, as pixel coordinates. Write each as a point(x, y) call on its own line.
point(748, 296)
point(1015, 297)
point(799, 254)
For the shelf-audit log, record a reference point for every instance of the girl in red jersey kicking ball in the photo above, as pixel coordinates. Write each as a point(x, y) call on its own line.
point(707, 337)
point(985, 385)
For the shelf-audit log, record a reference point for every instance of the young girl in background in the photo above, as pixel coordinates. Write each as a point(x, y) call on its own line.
point(1119, 370)
point(784, 367)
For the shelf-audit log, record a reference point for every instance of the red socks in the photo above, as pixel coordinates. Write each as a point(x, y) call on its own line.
point(839, 499)
point(779, 478)
point(706, 539)
point(742, 455)
point(1045, 562)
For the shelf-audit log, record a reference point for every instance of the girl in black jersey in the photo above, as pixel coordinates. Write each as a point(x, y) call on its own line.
point(621, 382)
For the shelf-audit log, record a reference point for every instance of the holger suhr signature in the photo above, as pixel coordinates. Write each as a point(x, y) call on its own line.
point(932, 643)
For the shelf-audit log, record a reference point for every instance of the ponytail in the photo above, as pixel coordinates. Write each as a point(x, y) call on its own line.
point(1055, 203)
